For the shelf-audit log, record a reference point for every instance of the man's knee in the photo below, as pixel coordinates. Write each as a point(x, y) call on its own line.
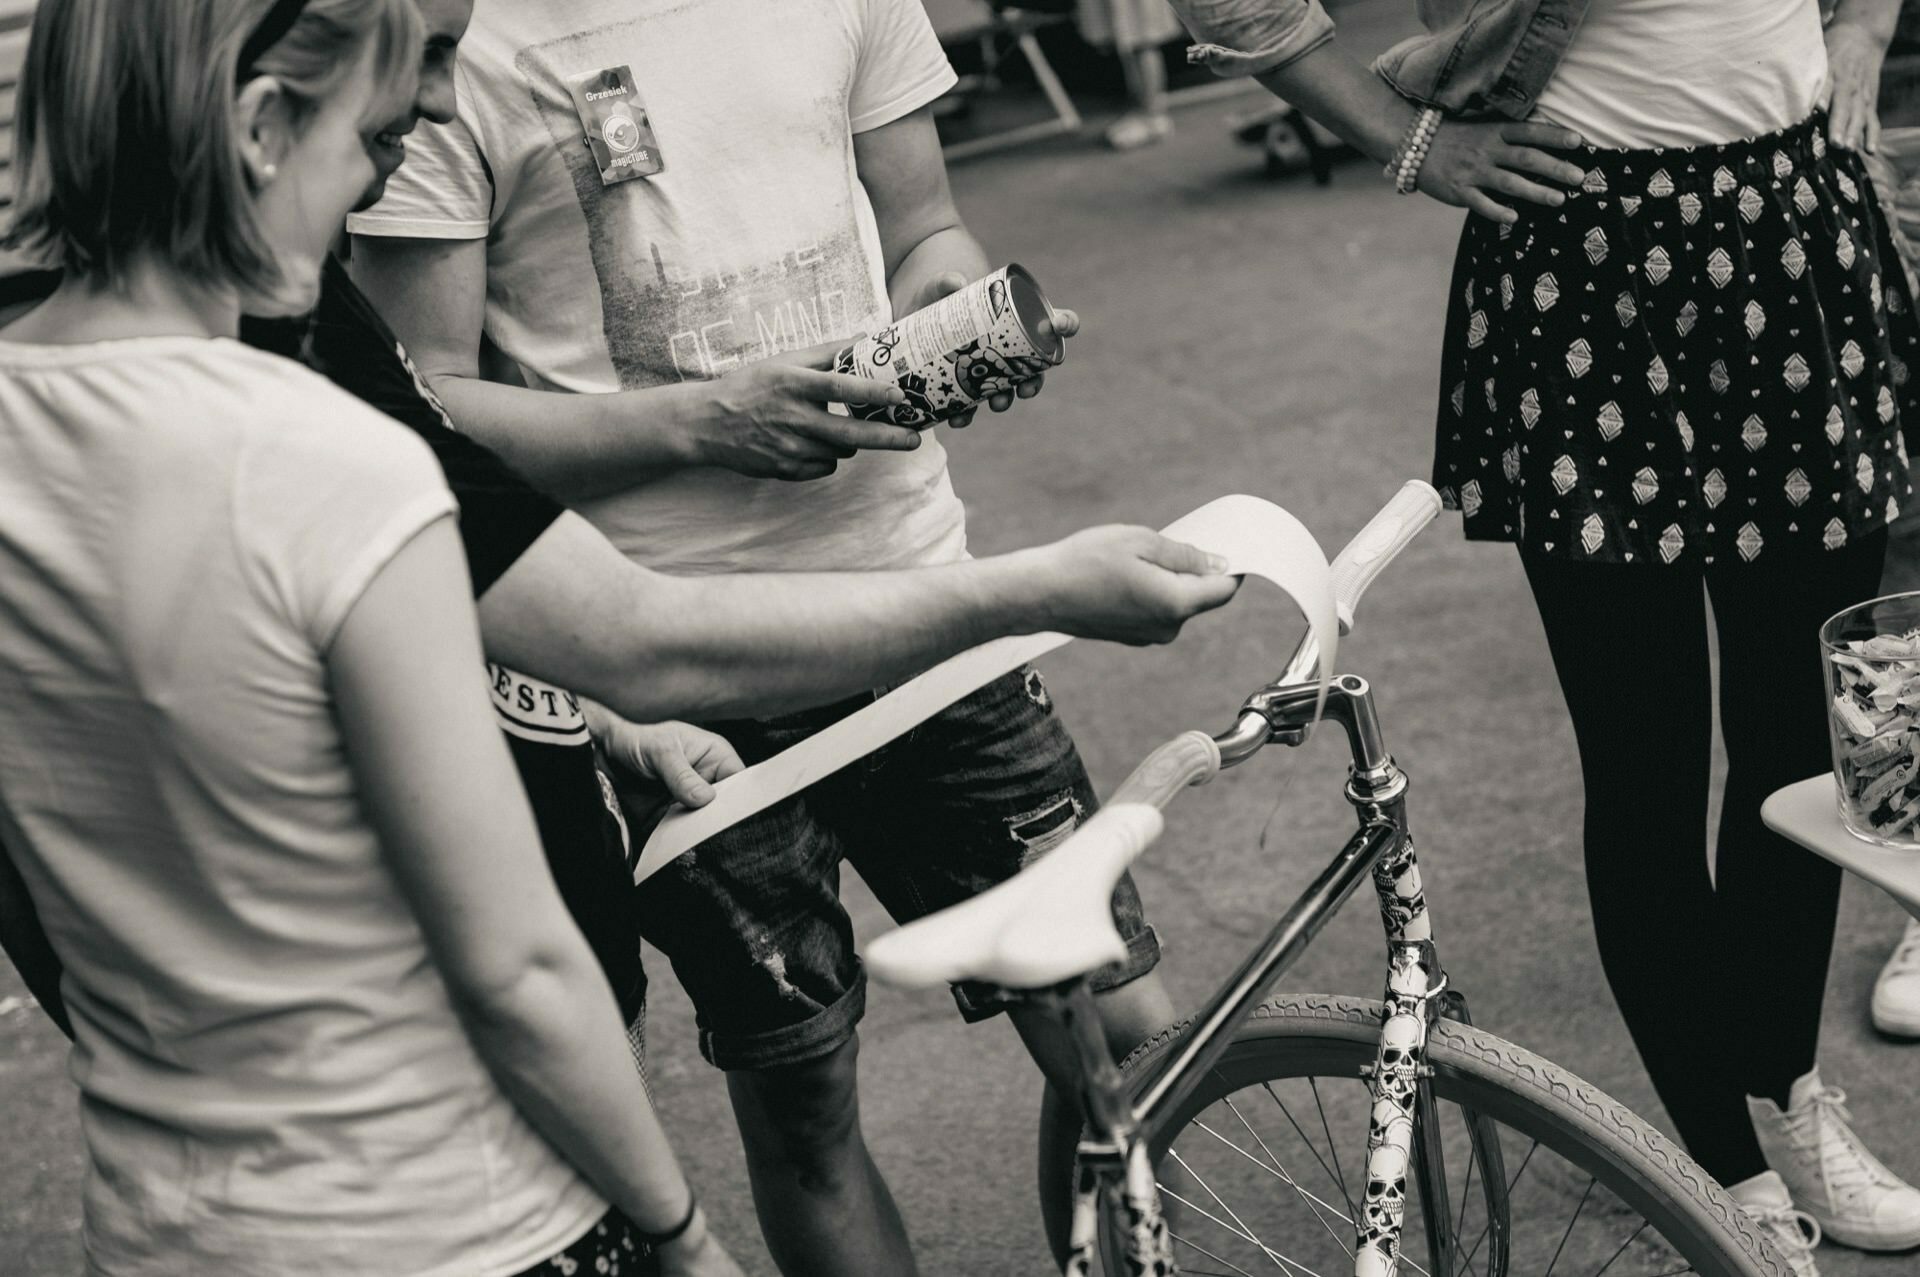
point(805, 1114)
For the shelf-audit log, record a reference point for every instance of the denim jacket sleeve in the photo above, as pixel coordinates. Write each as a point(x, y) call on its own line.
point(1252, 37)
point(1483, 57)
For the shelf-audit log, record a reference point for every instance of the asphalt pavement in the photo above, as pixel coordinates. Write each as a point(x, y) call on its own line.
point(1241, 335)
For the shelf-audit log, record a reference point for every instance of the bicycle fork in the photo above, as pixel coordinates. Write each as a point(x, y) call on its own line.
point(1404, 1139)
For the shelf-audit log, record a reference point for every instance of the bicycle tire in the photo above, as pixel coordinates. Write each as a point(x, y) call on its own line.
point(1286, 1037)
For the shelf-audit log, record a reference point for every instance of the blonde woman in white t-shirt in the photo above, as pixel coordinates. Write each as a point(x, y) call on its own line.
point(329, 1015)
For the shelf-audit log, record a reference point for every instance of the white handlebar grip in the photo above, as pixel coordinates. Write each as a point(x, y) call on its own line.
point(1386, 534)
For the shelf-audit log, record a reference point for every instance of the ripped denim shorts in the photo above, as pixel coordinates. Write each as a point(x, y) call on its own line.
point(752, 919)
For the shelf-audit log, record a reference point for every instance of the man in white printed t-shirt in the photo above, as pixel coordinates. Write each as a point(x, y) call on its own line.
point(670, 318)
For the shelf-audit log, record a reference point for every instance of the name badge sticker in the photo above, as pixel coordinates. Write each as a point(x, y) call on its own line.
point(618, 131)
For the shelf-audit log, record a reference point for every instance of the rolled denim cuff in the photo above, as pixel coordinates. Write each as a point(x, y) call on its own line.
point(1253, 37)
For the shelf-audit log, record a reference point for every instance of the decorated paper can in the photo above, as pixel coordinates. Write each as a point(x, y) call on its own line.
point(970, 345)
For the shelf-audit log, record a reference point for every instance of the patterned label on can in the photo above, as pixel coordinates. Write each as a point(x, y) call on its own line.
point(948, 357)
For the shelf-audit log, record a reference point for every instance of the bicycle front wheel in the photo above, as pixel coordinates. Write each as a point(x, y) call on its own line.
point(1263, 1170)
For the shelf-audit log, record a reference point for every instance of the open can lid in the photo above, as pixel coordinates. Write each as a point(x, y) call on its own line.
point(1030, 304)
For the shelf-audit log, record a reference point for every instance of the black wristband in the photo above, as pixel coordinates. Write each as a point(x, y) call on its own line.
point(674, 1234)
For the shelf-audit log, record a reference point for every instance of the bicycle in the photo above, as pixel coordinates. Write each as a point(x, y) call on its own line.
point(1178, 1117)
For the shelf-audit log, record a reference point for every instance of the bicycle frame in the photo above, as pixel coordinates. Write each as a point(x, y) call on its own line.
point(1114, 1158)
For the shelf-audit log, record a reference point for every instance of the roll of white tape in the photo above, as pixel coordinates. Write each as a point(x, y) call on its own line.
point(1255, 537)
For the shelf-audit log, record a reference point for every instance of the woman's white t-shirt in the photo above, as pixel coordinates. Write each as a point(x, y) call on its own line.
point(1646, 73)
point(272, 1077)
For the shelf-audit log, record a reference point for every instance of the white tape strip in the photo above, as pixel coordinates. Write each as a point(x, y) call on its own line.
point(1256, 537)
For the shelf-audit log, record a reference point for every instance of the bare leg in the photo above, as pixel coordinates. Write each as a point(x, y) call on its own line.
point(1148, 121)
point(824, 1209)
point(1131, 1014)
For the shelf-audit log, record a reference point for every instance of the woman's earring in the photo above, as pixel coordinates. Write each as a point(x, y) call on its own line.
point(269, 171)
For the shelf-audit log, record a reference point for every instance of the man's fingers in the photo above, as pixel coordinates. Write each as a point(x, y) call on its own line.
point(1204, 593)
point(1178, 556)
point(843, 433)
point(1030, 387)
point(719, 760)
point(804, 471)
point(1064, 323)
point(684, 785)
point(939, 286)
point(962, 421)
point(1527, 159)
point(1000, 402)
point(815, 386)
point(710, 754)
point(820, 356)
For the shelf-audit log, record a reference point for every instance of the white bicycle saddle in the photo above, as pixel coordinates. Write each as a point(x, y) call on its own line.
point(1050, 922)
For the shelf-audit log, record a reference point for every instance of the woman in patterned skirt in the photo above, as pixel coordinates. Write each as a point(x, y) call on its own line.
point(1682, 378)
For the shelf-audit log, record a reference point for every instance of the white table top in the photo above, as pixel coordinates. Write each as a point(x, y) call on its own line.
point(1809, 813)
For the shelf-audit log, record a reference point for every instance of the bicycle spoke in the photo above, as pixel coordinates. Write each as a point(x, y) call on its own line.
point(1195, 1272)
point(1279, 1174)
point(1623, 1249)
point(1288, 1113)
point(1234, 1215)
point(1300, 1190)
point(1333, 1145)
point(1286, 1263)
point(1234, 1109)
point(1570, 1223)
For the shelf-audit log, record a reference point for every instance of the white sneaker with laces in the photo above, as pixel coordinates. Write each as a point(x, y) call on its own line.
point(1794, 1233)
point(1830, 1173)
point(1896, 994)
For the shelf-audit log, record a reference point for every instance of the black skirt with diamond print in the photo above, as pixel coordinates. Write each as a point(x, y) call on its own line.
point(1698, 357)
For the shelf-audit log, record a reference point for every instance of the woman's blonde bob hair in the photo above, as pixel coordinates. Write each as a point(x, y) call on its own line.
point(126, 141)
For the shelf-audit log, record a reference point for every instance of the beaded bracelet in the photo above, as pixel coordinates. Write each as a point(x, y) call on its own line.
point(1404, 167)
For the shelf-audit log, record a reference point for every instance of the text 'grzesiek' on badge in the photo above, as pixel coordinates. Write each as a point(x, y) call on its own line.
point(616, 124)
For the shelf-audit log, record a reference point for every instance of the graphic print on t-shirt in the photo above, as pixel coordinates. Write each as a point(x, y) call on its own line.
point(677, 312)
point(536, 711)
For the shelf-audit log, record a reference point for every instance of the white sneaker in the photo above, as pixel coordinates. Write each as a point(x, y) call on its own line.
point(1794, 1233)
point(1896, 994)
point(1830, 1174)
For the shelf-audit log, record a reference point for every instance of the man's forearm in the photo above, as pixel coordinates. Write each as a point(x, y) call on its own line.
point(949, 250)
point(715, 654)
point(578, 447)
point(727, 646)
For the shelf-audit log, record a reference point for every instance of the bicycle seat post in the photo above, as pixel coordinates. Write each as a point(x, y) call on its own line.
point(1101, 1092)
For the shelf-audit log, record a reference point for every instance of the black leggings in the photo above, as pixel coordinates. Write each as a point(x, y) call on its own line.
point(1720, 986)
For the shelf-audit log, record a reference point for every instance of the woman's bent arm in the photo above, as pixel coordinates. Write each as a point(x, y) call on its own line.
point(440, 787)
